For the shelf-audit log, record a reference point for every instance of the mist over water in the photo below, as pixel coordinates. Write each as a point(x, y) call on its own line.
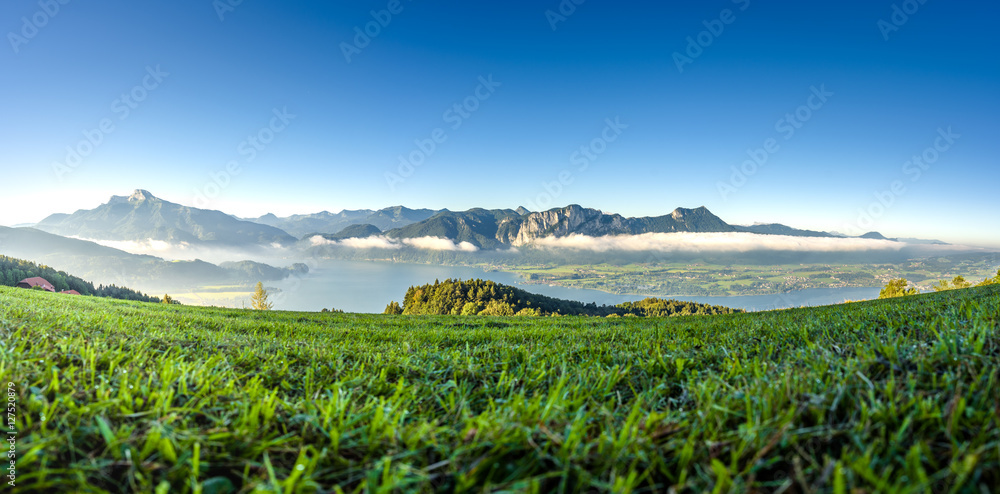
point(367, 286)
point(363, 275)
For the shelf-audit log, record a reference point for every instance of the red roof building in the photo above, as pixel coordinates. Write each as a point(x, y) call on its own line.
point(70, 292)
point(36, 281)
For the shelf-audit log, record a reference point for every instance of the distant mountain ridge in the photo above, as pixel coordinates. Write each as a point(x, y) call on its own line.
point(879, 236)
point(779, 229)
point(499, 228)
point(143, 216)
point(301, 225)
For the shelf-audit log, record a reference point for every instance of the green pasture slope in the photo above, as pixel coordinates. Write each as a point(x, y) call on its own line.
point(898, 395)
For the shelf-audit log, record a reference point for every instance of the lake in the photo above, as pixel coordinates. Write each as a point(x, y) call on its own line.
point(367, 286)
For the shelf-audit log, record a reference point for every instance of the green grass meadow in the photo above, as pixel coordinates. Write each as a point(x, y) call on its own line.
point(898, 395)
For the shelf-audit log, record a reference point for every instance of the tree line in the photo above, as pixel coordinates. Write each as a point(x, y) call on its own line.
point(14, 270)
point(488, 298)
point(900, 287)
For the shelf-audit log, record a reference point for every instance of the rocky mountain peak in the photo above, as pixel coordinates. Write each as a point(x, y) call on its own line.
point(681, 213)
point(140, 195)
point(571, 219)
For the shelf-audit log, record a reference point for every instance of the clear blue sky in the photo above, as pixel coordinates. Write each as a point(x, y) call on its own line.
point(221, 80)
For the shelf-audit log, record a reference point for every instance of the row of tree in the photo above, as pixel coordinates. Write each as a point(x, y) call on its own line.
point(900, 287)
point(14, 270)
point(488, 298)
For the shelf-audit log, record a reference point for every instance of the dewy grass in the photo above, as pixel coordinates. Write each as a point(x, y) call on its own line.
point(900, 395)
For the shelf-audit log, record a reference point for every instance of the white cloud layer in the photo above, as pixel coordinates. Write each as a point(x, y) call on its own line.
point(186, 251)
point(714, 242)
point(382, 242)
point(437, 243)
point(148, 246)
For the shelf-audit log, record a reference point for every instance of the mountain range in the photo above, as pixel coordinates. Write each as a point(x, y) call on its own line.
point(301, 225)
point(500, 228)
point(497, 228)
point(142, 216)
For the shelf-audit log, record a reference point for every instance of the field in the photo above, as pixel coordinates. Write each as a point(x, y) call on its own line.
point(709, 279)
point(883, 396)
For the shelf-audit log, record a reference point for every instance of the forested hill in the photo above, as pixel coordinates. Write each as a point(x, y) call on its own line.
point(14, 270)
point(487, 298)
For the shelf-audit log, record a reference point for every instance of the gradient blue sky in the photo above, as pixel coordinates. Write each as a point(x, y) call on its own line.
point(686, 130)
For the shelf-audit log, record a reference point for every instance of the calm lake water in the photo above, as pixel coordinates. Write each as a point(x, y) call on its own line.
point(367, 286)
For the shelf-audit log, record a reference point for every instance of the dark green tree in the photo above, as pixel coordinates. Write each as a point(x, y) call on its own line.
point(484, 297)
point(897, 288)
point(957, 283)
point(393, 308)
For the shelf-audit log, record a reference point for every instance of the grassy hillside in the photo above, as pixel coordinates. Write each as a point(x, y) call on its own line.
point(882, 396)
